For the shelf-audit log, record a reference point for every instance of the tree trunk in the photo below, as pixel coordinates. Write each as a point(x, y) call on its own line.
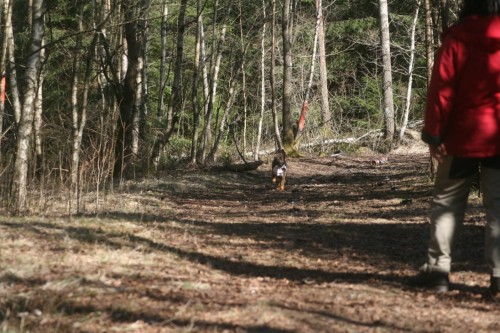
point(163, 61)
point(410, 74)
point(305, 103)
point(3, 73)
point(325, 104)
point(143, 99)
point(79, 107)
point(222, 125)
point(214, 80)
point(429, 45)
point(444, 9)
point(388, 104)
point(194, 92)
point(174, 105)
point(262, 81)
point(124, 149)
point(277, 135)
point(288, 136)
point(20, 176)
point(140, 98)
point(38, 105)
point(14, 90)
point(244, 82)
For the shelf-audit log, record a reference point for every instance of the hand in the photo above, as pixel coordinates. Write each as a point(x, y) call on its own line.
point(438, 152)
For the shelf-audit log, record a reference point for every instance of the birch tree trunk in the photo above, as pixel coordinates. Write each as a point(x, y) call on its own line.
point(3, 73)
point(14, 90)
point(163, 61)
point(194, 92)
point(429, 45)
point(262, 81)
point(140, 98)
point(244, 81)
point(79, 107)
point(20, 176)
point(305, 103)
point(203, 66)
point(174, 104)
point(429, 50)
point(222, 125)
point(38, 105)
point(277, 134)
point(144, 61)
point(323, 71)
point(217, 53)
point(404, 124)
point(286, 29)
point(388, 104)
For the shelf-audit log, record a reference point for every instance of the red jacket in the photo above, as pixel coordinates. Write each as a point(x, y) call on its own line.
point(463, 102)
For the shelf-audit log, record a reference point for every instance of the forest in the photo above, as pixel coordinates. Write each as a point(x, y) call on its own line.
point(135, 174)
point(95, 92)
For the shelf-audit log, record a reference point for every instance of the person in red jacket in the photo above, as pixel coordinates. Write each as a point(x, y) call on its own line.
point(462, 129)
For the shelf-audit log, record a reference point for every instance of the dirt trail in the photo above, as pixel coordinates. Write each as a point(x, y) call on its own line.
point(226, 252)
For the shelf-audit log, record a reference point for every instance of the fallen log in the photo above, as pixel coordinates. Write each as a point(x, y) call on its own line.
point(239, 167)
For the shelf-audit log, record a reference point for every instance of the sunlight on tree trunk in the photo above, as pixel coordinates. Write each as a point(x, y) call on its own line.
point(244, 83)
point(277, 135)
point(288, 136)
point(3, 73)
point(194, 91)
point(388, 105)
point(14, 90)
point(262, 82)
point(37, 123)
point(20, 176)
point(217, 54)
point(305, 104)
point(174, 105)
point(163, 61)
point(410, 74)
point(429, 45)
point(124, 153)
point(323, 71)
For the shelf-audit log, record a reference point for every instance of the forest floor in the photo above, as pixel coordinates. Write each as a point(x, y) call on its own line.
point(227, 252)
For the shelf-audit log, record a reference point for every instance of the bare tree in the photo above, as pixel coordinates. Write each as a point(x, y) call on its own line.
point(277, 135)
point(196, 79)
point(217, 53)
point(79, 107)
point(11, 68)
point(388, 104)
point(262, 81)
point(20, 176)
point(163, 60)
point(244, 83)
point(129, 113)
point(410, 73)
point(286, 29)
point(325, 104)
point(305, 103)
point(174, 105)
point(3, 74)
point(38, 105)
point(429, 45)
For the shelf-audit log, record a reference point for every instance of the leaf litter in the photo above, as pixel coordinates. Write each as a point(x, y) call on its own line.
point(227, 252)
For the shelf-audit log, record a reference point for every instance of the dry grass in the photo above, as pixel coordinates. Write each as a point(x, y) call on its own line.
point(225, 252)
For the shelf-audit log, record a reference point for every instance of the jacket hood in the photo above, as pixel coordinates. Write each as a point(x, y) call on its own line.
point(480, 32)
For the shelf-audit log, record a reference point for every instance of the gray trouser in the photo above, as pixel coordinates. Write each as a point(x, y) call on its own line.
point(447, 215)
